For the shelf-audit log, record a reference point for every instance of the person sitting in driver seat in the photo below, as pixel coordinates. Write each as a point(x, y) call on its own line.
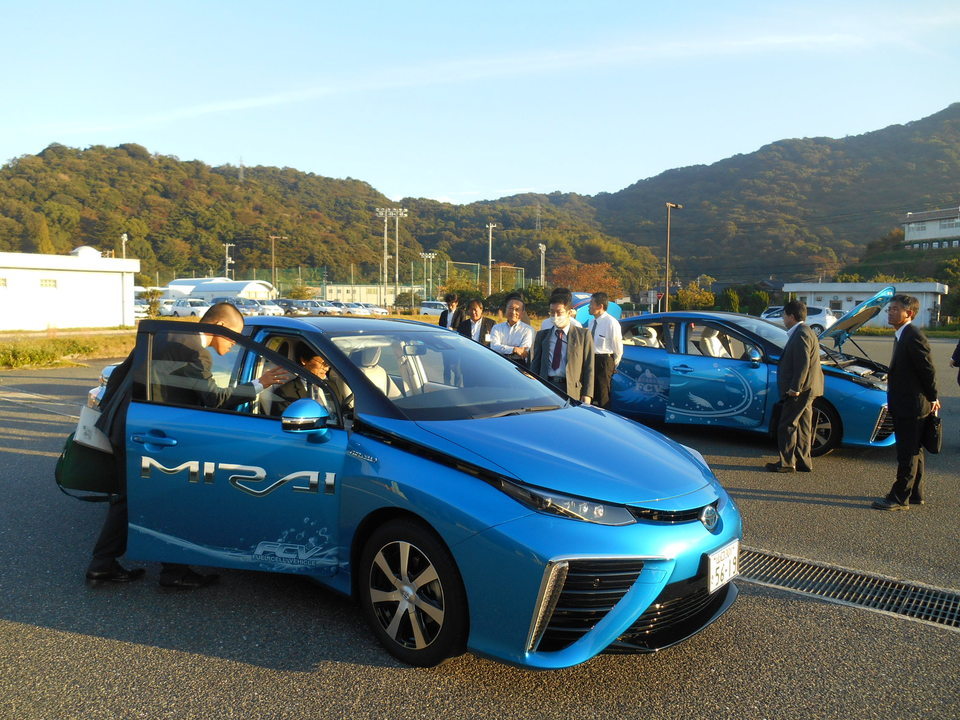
point(298, 387)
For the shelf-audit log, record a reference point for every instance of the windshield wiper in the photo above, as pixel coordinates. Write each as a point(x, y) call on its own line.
point(518, 411)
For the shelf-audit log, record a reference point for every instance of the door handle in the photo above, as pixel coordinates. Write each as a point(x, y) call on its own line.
point(153, 440)
point(683, 369)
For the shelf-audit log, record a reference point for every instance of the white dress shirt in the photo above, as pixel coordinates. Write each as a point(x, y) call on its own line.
point(505, 337)
point(607, 338)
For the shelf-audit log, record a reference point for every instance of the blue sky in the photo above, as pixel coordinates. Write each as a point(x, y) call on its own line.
point(469, 101)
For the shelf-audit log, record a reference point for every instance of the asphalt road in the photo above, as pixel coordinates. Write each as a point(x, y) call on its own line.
point(270, 646)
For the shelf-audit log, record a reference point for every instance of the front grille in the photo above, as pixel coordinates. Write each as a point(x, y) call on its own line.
point(681, 609)
point(884, 428)
point(591, 589)
point(667, 516)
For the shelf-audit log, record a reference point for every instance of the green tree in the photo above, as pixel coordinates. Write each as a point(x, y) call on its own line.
point(693, 297)
point(729, 300)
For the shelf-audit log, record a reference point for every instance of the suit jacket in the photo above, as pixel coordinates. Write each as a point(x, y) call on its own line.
point(458, 317)
point(181, 375)
point(486, 325)
point(911, 381)
point(579, 369)
point(956, 360)
point(800, 367)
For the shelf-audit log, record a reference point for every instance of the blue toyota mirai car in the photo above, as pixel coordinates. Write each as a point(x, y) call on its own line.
point(720, 369)
point(462, 501)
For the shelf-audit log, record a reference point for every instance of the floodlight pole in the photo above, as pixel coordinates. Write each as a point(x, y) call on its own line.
point(666, 289)
point(490, 227)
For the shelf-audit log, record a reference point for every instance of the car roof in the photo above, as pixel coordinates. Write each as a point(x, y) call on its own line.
point(690, 314)
point(343, 323)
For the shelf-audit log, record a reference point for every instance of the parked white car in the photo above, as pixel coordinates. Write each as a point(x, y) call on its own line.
point(166, 307)
point(432, 307)
point(818, 318)
point(375, 309)
point(189, 307)
point(352, 308)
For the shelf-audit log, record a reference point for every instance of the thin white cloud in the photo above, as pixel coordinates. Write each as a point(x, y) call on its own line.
point(535, 63)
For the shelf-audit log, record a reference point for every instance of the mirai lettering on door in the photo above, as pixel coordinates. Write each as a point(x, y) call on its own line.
point(242, 477)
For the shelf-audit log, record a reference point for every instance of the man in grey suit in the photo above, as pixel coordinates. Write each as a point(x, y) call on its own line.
point(563, 353)
point(800, 380)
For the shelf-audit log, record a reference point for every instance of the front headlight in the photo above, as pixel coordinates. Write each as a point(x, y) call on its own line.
point(567, 506)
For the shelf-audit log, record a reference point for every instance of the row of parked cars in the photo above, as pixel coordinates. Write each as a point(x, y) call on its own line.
point(196, 307)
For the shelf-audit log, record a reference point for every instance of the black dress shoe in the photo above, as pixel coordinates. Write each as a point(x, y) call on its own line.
point(916, 501)
point(778, 468)
point(888, 504)
point(187, 580)
point(117, 574)
point(804, 468)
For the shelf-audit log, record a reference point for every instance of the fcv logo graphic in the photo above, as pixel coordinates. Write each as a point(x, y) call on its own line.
point(242, 476)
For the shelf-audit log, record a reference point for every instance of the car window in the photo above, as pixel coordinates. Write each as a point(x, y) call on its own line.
point(652, 334)
point(711, 340)
point(433, 375)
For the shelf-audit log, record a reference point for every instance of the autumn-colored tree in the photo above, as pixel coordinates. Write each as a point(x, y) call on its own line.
point(694, 297)
point(587, 277)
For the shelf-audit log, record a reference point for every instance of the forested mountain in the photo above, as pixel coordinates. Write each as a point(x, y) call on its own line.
point(792, 209)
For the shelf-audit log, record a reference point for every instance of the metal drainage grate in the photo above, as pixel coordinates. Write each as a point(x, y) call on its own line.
point(873, 592)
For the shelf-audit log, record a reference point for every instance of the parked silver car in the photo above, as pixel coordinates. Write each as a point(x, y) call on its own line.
point(818, 318)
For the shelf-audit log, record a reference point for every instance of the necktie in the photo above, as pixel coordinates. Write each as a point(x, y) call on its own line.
point(557, 350)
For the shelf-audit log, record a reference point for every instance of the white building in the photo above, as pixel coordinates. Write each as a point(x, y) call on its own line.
point(210, 288)
point(843, 297)
point(932, 230)
point(82, 289)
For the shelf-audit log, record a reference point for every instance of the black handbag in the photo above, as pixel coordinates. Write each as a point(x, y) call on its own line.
point(86, 474)
point(932, 435)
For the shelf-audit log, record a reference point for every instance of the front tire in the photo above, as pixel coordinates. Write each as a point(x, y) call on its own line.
point(817, 328)
point(827, 428)
point(412, 594)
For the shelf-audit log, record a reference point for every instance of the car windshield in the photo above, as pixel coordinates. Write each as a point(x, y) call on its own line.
point(432, 375)
point(768, 331)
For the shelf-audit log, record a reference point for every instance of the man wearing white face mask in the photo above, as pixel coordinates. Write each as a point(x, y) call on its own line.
point(563, 353)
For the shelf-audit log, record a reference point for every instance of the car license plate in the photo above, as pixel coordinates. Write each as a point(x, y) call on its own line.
point(723, 565)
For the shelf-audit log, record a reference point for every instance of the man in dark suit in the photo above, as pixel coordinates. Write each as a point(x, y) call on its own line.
point(799, 380)
point(955, 360)
point(911, 396)
point(453, 315)
point(181, 376)
point(563, 354)
point(476, 326)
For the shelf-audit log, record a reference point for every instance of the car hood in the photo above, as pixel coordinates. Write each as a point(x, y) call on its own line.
point(846, 326)
point(576, 450)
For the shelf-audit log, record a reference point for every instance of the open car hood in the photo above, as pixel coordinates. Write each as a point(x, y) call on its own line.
point(846, 326)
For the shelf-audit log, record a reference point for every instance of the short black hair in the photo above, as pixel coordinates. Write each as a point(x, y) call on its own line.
point(305, 353)
point(601, 299)
point(561, 295)
point(797, 309)
point(909, 302)
point(476, 302)
point(451, 297)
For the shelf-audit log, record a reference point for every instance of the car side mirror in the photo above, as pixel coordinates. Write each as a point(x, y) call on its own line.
point(305, 415)
point(754, 356)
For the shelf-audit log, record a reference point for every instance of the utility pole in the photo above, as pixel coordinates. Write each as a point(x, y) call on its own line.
point(543, 261)
point(123, 245)
point(490, 227)
point(273, 258)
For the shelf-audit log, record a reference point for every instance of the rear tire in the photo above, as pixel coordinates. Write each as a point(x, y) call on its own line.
point(817, 328)
point(827, 428)
point(412, 594)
